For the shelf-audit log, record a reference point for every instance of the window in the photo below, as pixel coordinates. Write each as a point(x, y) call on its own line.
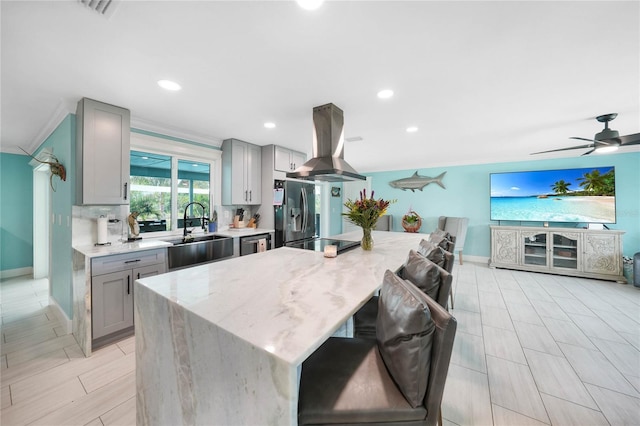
point(193, 186)
point(163, 185)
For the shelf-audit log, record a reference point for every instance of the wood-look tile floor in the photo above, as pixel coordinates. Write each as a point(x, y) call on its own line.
point(531, 349)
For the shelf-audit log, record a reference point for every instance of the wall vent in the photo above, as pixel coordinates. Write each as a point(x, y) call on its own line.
point(103, 7)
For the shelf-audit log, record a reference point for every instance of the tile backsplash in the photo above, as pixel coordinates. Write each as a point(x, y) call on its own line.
point(85, 223)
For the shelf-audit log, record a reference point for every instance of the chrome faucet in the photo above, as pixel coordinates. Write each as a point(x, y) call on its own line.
point(184, 218)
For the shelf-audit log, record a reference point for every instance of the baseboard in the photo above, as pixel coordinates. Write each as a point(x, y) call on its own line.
point(18, 272)
point(469, 258)
point(61, 316)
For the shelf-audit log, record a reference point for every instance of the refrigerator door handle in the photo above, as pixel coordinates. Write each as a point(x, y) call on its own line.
point(304, 209)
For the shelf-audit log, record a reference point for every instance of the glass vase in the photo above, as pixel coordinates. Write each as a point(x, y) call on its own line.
point(367, 240)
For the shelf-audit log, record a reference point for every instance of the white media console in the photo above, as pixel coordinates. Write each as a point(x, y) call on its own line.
point(565, 251)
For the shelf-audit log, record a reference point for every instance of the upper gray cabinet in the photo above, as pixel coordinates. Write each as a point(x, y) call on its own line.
point(287, 160)
point(102, 153)
point(241, 173)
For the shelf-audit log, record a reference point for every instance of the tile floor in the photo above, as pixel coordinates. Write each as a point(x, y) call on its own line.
point(531, 349)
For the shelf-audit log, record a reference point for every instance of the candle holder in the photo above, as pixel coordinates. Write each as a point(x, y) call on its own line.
point(330, 251)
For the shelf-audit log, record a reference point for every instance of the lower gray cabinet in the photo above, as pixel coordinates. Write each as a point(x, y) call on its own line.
point(112, 296)
point(112, 303)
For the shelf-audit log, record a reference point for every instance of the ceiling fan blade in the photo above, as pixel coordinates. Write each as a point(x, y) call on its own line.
point(603, 142)
point(588, 152)
point(630, 139)
point(564, 149)
point(583, 139)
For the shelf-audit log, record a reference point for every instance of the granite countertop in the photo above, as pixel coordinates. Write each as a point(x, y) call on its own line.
point(285, 301)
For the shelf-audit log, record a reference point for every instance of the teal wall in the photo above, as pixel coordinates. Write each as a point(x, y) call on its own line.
point(467, 194)
point(16, 203)
point(62, 141)
point(335, 209)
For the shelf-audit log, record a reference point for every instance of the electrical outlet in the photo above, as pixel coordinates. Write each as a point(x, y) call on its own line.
point(226, 215)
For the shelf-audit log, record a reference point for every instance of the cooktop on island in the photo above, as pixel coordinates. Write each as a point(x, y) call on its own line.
point(319, 244)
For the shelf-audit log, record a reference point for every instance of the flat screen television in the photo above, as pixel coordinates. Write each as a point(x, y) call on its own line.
point(584, 195)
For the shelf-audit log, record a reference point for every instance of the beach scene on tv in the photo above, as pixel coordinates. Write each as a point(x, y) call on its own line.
point(585, 195)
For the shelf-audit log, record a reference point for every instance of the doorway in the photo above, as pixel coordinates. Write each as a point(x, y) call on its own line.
point(41, 217)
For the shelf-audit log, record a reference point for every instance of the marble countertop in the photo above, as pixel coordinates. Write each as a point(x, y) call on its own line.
point(243, 232)
point(118, 247)
point(285, 301)
point(158, 242)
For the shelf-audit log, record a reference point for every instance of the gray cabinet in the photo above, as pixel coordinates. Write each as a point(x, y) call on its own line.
point(241, 173)
point(102, 153)
point(112, 296)
point(287, 160)
point(563, 251)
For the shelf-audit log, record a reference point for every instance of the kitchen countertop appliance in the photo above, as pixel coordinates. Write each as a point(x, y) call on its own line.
point(294, 205)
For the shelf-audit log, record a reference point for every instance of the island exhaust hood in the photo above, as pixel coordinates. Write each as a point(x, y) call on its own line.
point(328, 162)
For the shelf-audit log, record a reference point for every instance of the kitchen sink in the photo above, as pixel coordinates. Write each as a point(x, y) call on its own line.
point(197, 250)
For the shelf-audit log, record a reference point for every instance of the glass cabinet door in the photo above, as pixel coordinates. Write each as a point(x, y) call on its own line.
point(535, 249)
point(565, 250)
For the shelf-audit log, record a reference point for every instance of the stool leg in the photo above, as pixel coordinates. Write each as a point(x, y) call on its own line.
point(460, 254)
point(451, 296)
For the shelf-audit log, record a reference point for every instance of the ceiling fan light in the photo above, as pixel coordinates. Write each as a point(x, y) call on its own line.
point(605, 149)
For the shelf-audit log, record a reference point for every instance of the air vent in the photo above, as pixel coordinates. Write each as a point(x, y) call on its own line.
point(103, 7)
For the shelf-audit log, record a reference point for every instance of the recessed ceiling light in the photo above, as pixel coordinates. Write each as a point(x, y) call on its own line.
point(270, 125)
point(412, 129)
point(310, 4)
point(145, 158)
point(194, 165)
point(385, 94)
point(169, 85)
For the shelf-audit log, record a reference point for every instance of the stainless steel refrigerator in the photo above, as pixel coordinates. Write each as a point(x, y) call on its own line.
point(295, 216)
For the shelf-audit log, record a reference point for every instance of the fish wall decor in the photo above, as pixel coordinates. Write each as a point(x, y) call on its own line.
point(417, 182)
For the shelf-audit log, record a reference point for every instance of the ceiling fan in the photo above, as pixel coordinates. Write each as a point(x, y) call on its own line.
point(607, 140)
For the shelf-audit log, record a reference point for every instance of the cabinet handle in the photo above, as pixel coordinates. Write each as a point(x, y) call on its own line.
point(245, 195)
point(138, 275)
point(132, 261)
point(290, 166)
point(250, 197)
point(128, 284)
point(125, 190)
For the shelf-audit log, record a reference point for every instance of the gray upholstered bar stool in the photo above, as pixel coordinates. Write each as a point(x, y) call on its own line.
point(447, 243)
point(422, 272)
point(398, 378)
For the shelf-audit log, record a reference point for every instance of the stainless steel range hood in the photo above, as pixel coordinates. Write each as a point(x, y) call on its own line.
point(328, 162)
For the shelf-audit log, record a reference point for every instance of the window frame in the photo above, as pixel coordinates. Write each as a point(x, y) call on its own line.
point(182, 151)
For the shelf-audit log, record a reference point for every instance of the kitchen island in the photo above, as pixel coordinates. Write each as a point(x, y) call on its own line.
point(223, 343)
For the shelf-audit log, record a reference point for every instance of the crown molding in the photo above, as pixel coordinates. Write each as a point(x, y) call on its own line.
point(64, 108)
point(174, 132)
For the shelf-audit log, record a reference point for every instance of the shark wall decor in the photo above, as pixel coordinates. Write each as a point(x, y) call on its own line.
point(417, 182)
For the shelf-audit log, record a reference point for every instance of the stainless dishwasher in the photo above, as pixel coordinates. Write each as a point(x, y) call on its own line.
point(251, 244)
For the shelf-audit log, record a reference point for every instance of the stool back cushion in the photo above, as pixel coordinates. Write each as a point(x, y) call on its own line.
point(432, 252)
point(404, 331)
point(423, 273)
point(442, 239)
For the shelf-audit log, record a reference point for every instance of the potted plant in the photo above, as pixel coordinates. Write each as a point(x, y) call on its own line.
point(411, 222)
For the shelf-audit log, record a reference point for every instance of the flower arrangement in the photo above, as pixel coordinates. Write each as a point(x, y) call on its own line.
point(365, 212)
